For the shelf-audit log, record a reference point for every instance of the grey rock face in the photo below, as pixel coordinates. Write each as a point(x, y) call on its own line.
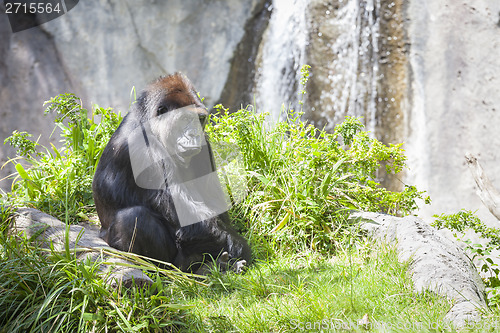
point(49, 232)
point(455, 99)
point(437, 263)
point(112, 46)
point(100, 50)
point(421, 72)
point(30, 73)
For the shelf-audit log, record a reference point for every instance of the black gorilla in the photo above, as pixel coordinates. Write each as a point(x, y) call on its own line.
point(151, 184)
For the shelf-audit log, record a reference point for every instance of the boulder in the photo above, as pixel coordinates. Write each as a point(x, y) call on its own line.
point(437, 264)
point(84, 242)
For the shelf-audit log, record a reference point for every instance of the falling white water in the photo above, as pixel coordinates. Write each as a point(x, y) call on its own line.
point(350, 75)
point(282, 56)
point(353, 74)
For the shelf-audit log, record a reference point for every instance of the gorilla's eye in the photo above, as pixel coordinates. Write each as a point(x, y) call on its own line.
point(161, 109)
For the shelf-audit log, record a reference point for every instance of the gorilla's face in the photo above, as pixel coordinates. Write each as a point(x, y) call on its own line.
point(181, 132)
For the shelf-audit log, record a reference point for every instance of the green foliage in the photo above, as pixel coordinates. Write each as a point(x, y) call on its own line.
point(304, 71)
point(308, 292)
point(59, 180)
point(348, 129)
point(302, 180)
point(57, 293)
point(20, 140)
point(464, 220)
point(302, 184)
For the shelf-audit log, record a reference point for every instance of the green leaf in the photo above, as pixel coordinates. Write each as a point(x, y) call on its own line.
point(121, 315)
point(22, 172)
point(325, 184)
point(92, 316)
point(58, 155)
point(260, 177)
point(283, 222)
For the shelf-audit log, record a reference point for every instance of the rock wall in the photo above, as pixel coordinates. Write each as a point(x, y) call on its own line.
point(426, 73)
point(455, 98)
point(101, 49)
point(30, 73)
point(359, 56)
point(111, 46)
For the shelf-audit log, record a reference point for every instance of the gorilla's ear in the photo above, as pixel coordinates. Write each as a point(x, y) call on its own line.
point(138, 106)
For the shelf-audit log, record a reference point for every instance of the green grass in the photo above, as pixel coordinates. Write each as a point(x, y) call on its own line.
point(302, 182)
point(295, 292)
point(305, 291)
point(44, 291)
point(47, 291)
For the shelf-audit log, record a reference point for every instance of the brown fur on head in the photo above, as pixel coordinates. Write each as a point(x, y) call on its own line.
point(168, 93)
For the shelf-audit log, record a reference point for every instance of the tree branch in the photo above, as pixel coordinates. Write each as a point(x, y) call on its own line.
point(486, 192)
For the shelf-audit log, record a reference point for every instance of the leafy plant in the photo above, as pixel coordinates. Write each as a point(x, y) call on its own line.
point(47, 291)
point(464, 220)
point(59, 181)
point(309, 292)
point(302, 181)
point(304, 71)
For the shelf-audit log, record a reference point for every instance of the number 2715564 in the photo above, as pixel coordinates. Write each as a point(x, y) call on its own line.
point(33, 8)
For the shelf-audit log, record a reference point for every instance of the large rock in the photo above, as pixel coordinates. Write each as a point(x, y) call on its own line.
point(30, 73)
point(422, 72)
point(83, 242)
point(109, 47)
point(455, 99)
point(101, 49)
point(436, 263)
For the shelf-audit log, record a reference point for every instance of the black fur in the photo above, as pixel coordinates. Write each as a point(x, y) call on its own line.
point(144, 221)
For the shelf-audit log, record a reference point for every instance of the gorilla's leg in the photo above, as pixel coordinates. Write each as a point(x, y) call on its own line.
point(139, 230)
point(223, 264)
point(211, 239)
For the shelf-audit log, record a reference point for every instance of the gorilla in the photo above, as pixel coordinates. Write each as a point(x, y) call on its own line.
point(155, 187)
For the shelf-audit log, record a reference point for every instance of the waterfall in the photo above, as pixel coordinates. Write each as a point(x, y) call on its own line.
point(347, 80)
point(281, 55)
point(354, 73)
